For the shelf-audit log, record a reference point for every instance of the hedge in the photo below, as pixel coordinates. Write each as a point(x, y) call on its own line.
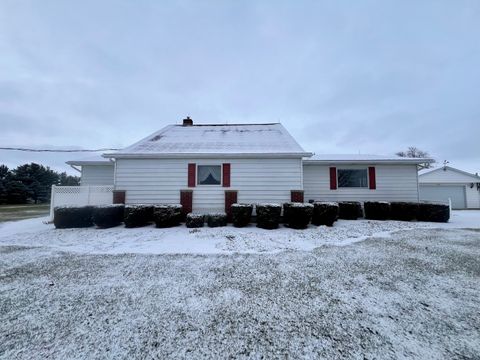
point(137, 215)
point(194, 220)
point(325, 213)
point(433, 212)
point(241, 214)
point(297, 215)
point(217, 220)
point(350, 210)
point(167, 215)
point(107, 216)
point(268, 216)
point(377, 210)
point(73, 217)
point(404, 211)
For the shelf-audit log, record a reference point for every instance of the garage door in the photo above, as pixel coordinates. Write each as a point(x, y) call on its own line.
point(443, 193)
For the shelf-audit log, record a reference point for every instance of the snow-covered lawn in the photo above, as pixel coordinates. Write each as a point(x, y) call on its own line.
point(89, 293)
point(224, 240)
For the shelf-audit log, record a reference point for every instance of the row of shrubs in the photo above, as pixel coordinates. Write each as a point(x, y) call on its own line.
point(295, 215)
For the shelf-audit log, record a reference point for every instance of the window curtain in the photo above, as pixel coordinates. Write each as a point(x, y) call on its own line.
point(209, 175)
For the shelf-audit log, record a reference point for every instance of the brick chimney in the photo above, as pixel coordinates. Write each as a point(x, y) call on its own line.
point(187, 121)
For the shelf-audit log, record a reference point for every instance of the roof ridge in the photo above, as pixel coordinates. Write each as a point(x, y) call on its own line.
point(245, 124)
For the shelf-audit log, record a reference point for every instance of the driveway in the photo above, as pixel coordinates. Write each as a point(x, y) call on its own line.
point(414, 294)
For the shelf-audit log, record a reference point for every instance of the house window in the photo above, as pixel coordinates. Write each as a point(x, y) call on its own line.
point(209, 174)
point(352, 178)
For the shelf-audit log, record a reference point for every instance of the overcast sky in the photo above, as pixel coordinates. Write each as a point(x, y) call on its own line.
point(342, 76)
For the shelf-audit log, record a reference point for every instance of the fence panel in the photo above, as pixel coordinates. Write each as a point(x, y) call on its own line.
point(80, 196)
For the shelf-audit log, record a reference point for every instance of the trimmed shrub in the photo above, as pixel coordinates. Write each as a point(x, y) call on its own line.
point(299, 215)
point(107, 216)
point(377, 210)
point(324, 213)
point(350, 210)
point(167, 215)
point(195, 220)
point(433, 212)
point(72, 217)
point(241, 214)
point(404, 211)
point(268, 216)
point(217, 220)
point(137, 215)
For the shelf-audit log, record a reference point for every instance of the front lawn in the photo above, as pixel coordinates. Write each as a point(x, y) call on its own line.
point(19, 212)
point(413, 294)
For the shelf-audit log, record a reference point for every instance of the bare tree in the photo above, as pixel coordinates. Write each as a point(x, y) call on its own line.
point(414, 152)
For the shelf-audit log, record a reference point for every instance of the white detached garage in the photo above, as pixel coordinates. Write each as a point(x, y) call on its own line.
point(447, 183)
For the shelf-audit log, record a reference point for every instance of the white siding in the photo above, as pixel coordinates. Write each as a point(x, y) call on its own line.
point(97, 175)
point(160, 181)
point(446, 176)
point(394, 183)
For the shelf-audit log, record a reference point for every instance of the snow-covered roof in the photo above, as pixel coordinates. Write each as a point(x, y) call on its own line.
point(90, 160)
point(363, 158)
point(214, 140)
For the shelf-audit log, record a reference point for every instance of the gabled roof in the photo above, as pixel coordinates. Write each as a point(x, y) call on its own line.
point(424, 172)
point(240, 140)
point(90, 160)
point(363, 159)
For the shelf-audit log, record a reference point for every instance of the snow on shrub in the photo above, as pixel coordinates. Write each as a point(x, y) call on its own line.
point(194, 220)
point(137, 215)
point(297, 215)
point(241, 214)
point(433, 212)
point(377, 210)
point(216, 220)
point(167, 215)
point(72, 217)
point(106, 216)
point(268, 215)
point(350, 210)
point(324, 213)
point(404, 211)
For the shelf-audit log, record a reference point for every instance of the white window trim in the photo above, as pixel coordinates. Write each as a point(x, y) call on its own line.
point(209, 185)
point(354, 187)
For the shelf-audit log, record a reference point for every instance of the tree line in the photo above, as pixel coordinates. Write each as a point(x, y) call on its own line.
point(31, 183)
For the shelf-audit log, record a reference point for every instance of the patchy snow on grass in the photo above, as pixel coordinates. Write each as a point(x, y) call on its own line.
point(223, 240)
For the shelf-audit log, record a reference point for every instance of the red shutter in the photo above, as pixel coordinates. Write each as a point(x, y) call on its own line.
point(226, 175)
point(186, 200)
point(192, 168)
point(372, 181)
point(296, 196)
point(230, 199)
point(333, 178)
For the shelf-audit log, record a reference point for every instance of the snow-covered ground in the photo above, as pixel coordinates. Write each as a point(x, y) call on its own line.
point(224, 240)
point(413, 295)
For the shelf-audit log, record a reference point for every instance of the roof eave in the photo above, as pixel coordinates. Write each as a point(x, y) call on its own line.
point(206, 155)
point(82, 163)
point(410, 161)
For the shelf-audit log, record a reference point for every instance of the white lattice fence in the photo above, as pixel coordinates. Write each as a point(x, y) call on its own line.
point(80, 196)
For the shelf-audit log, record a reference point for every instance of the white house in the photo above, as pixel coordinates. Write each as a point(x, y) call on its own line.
point(209, 167)
point(361, 178)
point(446, 182)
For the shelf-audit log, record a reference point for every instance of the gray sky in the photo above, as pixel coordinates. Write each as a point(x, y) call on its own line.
point(342, 76)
